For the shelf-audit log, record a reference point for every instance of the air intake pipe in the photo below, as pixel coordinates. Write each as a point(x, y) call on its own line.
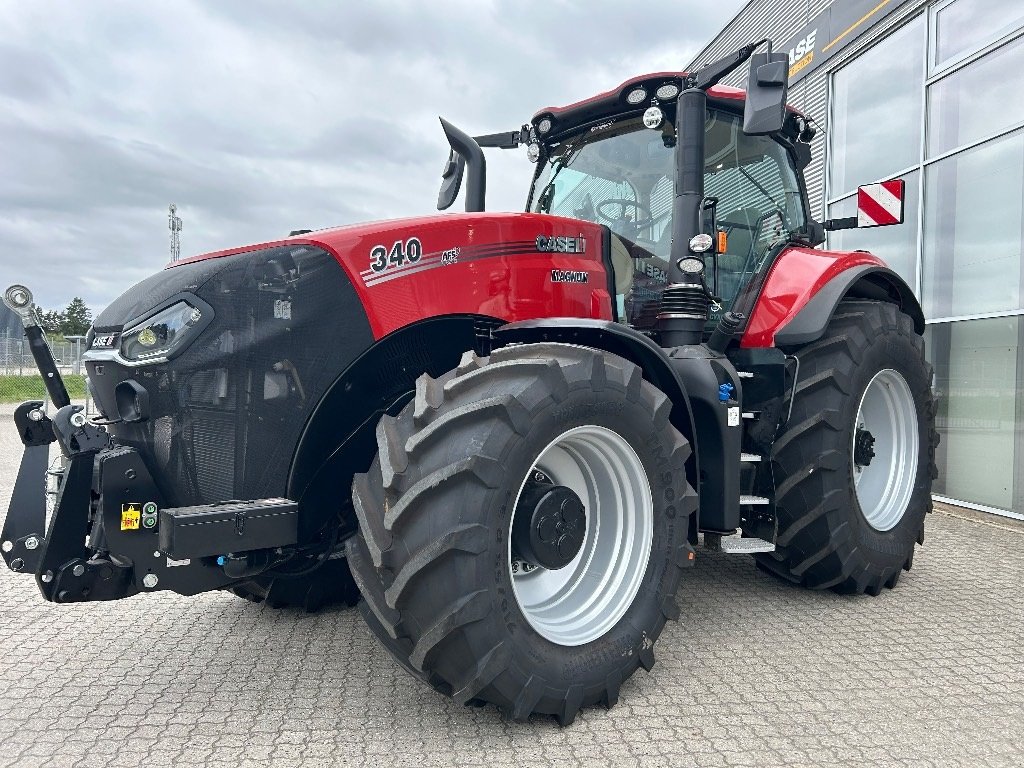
point(684, 303)
point(465, 155)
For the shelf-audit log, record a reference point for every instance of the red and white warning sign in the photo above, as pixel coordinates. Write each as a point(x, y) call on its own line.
point(879, 205)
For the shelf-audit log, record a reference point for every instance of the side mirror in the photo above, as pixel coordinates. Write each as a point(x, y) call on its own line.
point(767, 89)
point(878, 205)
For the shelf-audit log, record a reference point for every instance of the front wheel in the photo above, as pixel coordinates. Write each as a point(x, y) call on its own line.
point(523, 528)
point(855, 463)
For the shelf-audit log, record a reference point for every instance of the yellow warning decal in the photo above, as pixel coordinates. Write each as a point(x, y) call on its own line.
point(130, 516)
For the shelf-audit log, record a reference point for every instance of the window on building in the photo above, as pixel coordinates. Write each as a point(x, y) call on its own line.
point(974, 230)
point(977, 101)
point(979, 381)
point(962, 27)
point(896, 245)
point(877, 111)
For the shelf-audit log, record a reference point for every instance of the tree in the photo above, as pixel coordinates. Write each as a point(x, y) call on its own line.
point(76, 319)
point(50, 321)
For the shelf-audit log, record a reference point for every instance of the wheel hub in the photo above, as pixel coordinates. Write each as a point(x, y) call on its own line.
point(884, 449)
point(863, 448)
point(550, 526)
point(574, 603)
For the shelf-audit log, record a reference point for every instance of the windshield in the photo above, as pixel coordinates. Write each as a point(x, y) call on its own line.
point(622, 174)
point(618, 173)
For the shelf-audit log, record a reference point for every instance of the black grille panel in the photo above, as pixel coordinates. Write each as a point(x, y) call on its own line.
point(226, 415)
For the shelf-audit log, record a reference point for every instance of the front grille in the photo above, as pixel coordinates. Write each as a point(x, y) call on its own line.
point(227, 414)
point(213, 455)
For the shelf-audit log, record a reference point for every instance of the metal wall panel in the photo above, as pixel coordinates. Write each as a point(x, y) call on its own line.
point(814, 103)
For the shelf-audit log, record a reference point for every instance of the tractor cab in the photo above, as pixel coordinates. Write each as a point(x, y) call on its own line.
point(698, 184)
point(618, 169)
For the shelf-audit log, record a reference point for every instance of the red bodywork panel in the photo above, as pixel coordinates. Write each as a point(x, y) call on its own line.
point(793, 280)
point(471, 263)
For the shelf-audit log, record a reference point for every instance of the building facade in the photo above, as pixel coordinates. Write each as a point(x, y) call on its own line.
point(928, 92)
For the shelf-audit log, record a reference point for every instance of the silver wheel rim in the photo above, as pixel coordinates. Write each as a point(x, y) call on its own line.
point(582, 601)
point(884, 486)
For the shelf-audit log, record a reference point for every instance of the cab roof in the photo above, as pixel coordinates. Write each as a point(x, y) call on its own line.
point(614, 100)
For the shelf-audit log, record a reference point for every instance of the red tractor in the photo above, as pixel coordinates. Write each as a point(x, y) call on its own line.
point(506, 432)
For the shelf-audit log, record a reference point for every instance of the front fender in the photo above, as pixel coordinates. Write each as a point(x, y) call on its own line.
point(625, 342)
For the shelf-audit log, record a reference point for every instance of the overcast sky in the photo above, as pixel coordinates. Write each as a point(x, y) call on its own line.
point(258, 117)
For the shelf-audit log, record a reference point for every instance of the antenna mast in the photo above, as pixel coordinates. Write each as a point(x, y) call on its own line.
point(174, 224)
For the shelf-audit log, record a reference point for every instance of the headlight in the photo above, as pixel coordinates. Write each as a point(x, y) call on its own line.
point(159, 336)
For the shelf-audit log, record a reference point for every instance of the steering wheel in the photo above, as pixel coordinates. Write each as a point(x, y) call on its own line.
point(623, 204)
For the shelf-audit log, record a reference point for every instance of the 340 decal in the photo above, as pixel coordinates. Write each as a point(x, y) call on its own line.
point(400, 253)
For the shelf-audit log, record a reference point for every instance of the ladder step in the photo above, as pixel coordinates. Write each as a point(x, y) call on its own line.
point(749, 457)
point(736, 545)
point(753, 500)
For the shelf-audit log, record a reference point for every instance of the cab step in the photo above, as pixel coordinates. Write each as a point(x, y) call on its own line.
point(749, 457)
point(753, 500)
point(737, 545)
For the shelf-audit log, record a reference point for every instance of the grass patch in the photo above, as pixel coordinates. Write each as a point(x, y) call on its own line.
point(17, 389)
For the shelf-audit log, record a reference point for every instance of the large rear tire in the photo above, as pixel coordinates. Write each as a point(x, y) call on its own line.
point(855, 462)
point(440, 560)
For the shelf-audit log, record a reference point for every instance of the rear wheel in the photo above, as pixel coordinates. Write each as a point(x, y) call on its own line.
point(523, 529)
point(855, 463)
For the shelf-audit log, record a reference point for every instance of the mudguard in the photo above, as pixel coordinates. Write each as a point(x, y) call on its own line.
point(625, 342)
point(864, 282)
point(804, 286)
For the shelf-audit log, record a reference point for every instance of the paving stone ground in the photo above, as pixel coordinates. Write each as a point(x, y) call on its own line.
point(756, 672)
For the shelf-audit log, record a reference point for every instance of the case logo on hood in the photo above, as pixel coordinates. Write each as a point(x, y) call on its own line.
point(561, 244)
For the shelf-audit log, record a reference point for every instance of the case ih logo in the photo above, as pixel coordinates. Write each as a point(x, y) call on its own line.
point(561, 244)
point(569, 276)
point(879, 205)
point(106, 341)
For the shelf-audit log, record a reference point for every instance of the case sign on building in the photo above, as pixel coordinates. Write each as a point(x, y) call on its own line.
point(831, 31)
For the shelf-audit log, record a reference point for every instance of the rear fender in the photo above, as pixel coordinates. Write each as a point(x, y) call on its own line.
point(864, 282)
point(804, 287)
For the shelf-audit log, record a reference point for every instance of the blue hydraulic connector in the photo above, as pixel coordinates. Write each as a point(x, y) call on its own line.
point(725, 392)
point(221, 559)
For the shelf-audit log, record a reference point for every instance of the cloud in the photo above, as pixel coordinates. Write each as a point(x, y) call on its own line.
point(259, 117)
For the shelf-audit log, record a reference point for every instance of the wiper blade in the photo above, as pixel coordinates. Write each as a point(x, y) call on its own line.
point(563, 161)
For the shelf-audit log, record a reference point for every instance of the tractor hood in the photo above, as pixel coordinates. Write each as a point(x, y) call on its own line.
point(504, 265)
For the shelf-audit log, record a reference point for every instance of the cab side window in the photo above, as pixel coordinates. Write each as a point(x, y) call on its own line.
point(759, 199)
